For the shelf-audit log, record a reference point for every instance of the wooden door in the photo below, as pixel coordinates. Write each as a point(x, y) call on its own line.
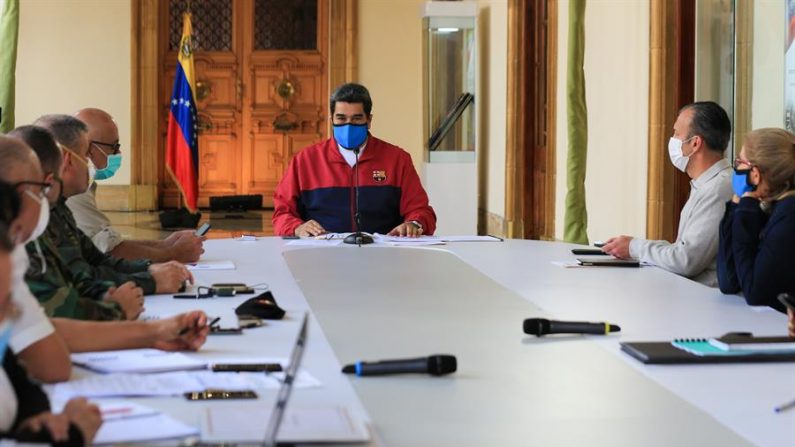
point(261, 87)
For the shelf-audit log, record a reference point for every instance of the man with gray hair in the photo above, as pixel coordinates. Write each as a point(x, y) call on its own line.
point(105, 154)
point(78, 253)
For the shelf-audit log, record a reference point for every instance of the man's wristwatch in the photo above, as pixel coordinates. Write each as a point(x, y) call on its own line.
point(416, 224)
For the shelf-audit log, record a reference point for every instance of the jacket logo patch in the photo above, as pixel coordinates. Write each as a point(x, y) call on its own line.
point(379, 176)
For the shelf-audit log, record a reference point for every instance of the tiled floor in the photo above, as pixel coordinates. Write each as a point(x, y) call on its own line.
point(145, 225)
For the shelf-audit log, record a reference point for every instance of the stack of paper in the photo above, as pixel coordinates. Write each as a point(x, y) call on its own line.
point(407, 241)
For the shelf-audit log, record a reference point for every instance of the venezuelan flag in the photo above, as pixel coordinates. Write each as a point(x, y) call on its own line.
point(182, 144)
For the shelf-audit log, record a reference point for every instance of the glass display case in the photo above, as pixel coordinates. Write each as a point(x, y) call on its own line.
point(450, 63)
point(450, 116)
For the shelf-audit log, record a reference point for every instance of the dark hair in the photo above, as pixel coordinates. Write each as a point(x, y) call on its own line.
point(9, 210)
point(66, 129)
point(711, 123)
point(43, 144)
point(354, 94)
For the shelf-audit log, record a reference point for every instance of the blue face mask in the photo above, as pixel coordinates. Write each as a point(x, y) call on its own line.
point(350, 136)
point(741, 183)
point(114, 162)
point(5, 336)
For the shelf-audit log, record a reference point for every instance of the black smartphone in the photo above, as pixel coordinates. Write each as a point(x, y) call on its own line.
point(589, 252)
point(243, 367)
point(215, 330)
point(220, 395)
point(290, 237)
point(203, 229)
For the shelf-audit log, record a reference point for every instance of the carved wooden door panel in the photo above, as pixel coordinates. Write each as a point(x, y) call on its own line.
point(261, 87)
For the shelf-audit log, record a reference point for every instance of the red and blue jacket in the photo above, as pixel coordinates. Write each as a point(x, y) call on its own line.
point(318, 185)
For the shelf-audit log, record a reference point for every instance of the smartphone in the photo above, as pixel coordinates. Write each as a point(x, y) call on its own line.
point(237, 286)
point(220, 395)
point(242, 367)
point(588, 252)
point(290, 237)
point(215, 330)
point(203, 229)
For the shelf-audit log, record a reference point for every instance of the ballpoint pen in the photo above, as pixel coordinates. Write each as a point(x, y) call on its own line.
point(210, 324)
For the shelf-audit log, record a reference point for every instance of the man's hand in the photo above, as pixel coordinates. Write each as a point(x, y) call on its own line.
point(130, 297)
point(309, 228)
point(183, 332)
point(407, 229)
point(791, 326)
point(85, 416)
point(184, 246)
point(618, 246)
point(169, 276)
point(56, 424)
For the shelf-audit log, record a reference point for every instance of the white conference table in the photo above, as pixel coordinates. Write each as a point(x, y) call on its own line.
point(469, 300)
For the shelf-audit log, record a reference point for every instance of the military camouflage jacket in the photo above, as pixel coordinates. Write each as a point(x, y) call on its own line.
point(53, 286)
point(85, 261)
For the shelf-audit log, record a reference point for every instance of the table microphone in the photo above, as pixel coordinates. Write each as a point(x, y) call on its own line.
point(435, 365)
point(541, 326)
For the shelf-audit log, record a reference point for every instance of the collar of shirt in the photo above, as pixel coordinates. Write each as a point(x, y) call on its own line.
point(710, 173)
point(348, 154)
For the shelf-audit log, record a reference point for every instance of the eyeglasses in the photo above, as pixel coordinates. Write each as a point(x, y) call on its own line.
point(45, 187)
point(113, 146)
point(741, 161)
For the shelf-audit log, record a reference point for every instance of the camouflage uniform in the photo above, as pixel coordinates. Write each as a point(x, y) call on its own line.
point(86, 262)
point(53, 286)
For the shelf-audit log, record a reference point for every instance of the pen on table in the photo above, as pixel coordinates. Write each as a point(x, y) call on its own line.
point(785, 407)
point(210, 324)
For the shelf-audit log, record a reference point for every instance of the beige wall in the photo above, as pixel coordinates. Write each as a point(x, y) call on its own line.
point(617, 85)
point(390, 65)
point(768, 86)
point(74, 54)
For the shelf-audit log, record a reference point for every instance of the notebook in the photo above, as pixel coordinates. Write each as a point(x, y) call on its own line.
point(665, 353)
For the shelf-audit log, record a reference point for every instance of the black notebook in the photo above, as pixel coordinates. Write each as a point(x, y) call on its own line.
point(665, 353)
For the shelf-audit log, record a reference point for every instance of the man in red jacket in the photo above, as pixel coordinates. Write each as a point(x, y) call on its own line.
point(317, 194)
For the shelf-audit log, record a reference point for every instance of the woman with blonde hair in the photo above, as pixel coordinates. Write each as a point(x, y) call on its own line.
point(756, 255)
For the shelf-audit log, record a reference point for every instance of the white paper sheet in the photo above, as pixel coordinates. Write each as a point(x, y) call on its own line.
point(324, 424)
point(211, 265)
point(137, 361)
point(407, 241)
point(470, 238)
point(171, 384)
point(141, 429)
point(311, 242)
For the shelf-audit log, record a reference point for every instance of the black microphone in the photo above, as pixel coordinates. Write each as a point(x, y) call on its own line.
point(357, 237)
point(541, 326)
point(435, 365)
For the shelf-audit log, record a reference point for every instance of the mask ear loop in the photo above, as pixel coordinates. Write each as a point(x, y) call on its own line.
point(41, 256)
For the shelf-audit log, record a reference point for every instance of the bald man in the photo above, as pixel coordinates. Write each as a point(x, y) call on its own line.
point(105, 154)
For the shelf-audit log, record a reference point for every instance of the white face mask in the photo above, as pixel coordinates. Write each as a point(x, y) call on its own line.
point(92, 173)
point(44, 216)
point(678, 159)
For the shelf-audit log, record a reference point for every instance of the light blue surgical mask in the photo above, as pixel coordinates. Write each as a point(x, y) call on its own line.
point(114, 163)
point(350, 136)
point(5, 336)
point(741, 183)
